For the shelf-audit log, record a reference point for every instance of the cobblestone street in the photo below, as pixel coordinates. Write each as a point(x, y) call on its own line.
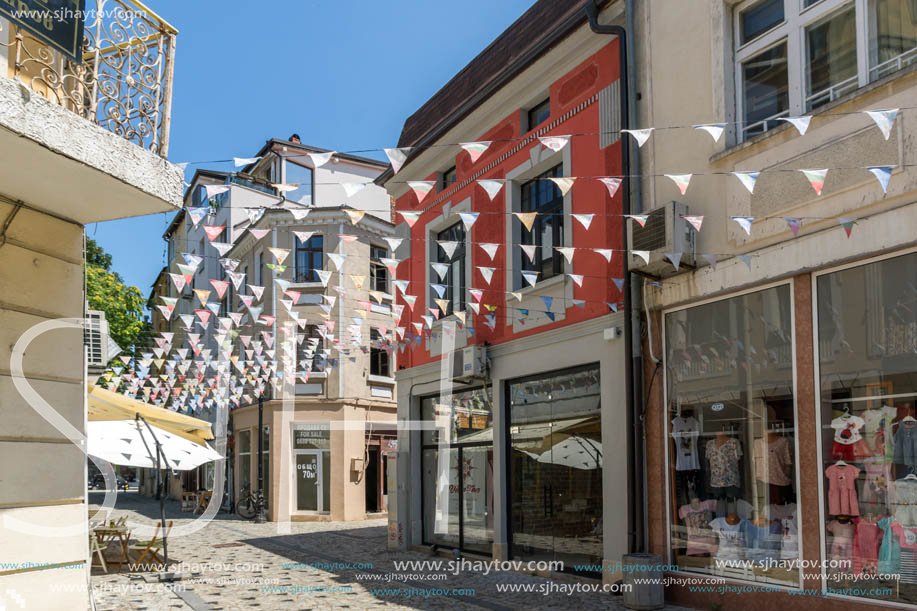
point(272, 583)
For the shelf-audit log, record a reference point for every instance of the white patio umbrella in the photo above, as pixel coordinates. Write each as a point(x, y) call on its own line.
point(575, 451)
point(130, 443)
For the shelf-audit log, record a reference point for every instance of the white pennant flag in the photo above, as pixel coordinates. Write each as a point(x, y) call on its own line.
point(320, 159)
point(643, 254)
point(441, 270)
point(337, 259)
point(352, 188)
point(468, 219)
point(675, 258)
point(214, 190)
point(748, 179)
point(421, 188)
point(605, 252)
point(487, 272)
point(555, 143)
point(303, 236)
point(577, 278)
point(563, 183)
point(612, 184)
point(714, 129)
point(800, 123)
point(882, 174)
point(394, 243)
point(567, 252)
point(241, 161)
point(397, 157)
point(448, 247)
point(475, 149)
point(884, 119)
point(490, 249)
point(584, 219)
point(324, 276)
point(529, 249)
point(492, 186)
point(640, 135)
point(744, 222)
point(530, 277)
point(299, 213)
point(681, 181)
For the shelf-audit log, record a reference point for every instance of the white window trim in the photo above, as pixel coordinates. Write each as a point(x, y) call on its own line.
point(792, 31)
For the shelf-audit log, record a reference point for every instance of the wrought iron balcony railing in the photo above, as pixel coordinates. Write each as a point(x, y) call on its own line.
point(124, 82)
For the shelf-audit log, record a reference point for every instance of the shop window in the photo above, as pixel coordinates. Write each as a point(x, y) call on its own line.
point(555, 471)
point(867, 344)
point(544, 197)
point(732, 450)
point(457, 471)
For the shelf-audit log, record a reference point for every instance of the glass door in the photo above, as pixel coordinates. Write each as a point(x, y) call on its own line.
point(309, 481)
point(556, 467)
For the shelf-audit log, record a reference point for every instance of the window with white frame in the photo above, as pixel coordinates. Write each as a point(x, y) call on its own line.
point(378, 272)
point(793, 56)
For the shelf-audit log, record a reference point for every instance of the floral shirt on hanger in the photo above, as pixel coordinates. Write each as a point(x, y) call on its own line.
point(724, 462)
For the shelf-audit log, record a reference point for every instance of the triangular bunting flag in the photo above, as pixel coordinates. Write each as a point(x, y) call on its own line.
point(421, 188)
point(748, 179)
point(468, 219)
point(816, 179)
point(475, 149)
point(681, 181)
point(744, 222)
point(800, 123)
point(490, 249)
point(555, 143)
point(884, 119)
point(714, 129)
point(882, 174)
point(640, 135)
point(696, 221)
point(492, 186)
point(612, 184)
point(397, 157)
point(526, 218)
point(564, 183)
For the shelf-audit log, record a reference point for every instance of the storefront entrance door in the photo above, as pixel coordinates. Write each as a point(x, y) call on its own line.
point(309, 481)
point(556, 468)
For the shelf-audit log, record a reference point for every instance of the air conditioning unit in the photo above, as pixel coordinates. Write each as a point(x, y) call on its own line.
point(665, 231)
point(100, 347)
point(469, 363)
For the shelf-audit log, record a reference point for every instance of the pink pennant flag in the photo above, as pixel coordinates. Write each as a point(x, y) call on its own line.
point(213, 231)
point(421, 188)
point(612, 183)
point(793, 224)
point(220, 286)
point(639, 218)
point(259, 233)
point(816, 179)
point(477, 294)
point(696, 221)
point(681, 181)
point(475, 149)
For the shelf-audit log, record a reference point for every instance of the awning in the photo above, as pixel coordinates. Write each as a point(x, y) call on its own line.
point(108, 405)
point(133, 443)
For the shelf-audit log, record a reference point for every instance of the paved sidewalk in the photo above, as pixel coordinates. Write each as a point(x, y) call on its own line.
point(251, 567)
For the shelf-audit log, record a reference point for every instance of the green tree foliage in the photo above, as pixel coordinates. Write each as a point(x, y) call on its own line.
point(122, 304)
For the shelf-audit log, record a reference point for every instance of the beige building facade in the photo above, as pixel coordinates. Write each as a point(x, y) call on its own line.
point(64, 168)
point(790, 342)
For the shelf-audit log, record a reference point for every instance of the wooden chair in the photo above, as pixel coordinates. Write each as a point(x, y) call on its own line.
point(150, 549)
point(188, 501)
point(203, 501)
point(94, 547)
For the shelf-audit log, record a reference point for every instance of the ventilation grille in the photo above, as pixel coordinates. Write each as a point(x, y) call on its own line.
point(93, 338)
point(610, 115)
point(652, 235)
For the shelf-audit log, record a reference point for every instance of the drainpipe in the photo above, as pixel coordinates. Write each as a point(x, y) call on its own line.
point(633, 365)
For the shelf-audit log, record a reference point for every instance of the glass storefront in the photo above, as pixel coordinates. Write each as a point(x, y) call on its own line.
point(457, 466)
point(731, 428)
point(867, 359)
point(312, 466)
point(556, 467)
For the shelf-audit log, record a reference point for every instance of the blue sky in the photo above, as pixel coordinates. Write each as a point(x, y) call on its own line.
point(344, 74)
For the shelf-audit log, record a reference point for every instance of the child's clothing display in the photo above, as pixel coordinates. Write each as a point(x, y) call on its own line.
point(877, 431)
point(724, 463)
point(866, 544)
point(890, 550)
point(731, 539)
point(848, 443)
point(906, 446)
point(842, 494)
point(773, 461)
point(877, 489)
point(697, 517)
point(905, 505)
point(907, 540)
point(841, 544)
point(685, 431)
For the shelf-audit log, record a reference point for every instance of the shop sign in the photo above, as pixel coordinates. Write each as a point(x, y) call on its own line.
point(311, 436)
point(56, 23)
